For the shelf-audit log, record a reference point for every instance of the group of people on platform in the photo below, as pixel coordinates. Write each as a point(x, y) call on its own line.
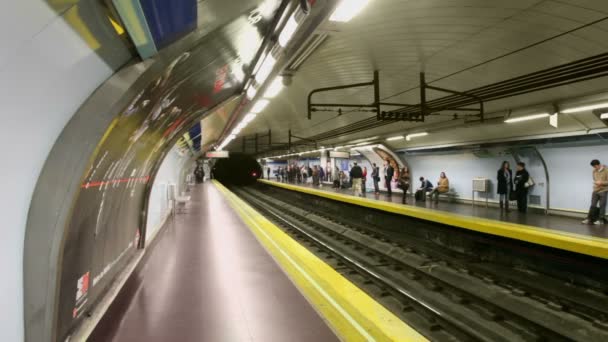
point(294, 173)
point(510, 186)
point(513, 188)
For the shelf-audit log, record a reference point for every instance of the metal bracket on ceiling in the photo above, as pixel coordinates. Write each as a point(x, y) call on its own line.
point(374, 107)
point(426, 110)
point(289, 143)
point(256, 138)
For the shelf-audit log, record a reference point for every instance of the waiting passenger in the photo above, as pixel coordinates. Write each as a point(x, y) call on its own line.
point(404, 182)
point(389, 172)
point(336, 177)
point(364, 180)
point(443, 186)
point(521, 187)
point(315, 175)
point(356, 175)
point(425, 186)
point(376, 178)
point(343, 180)
point(504, 177)
point(321, 174)
point(600, 193)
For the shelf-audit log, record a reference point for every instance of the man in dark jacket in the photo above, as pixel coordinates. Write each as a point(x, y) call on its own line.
point(521, 188)
point(356, 175)
point(388, 176)
point(376, 178)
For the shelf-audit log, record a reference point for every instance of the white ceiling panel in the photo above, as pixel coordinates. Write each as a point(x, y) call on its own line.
point(402, 38)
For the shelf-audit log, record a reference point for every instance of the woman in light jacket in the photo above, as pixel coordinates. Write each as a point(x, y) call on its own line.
point(504, 176)
point(443, 186)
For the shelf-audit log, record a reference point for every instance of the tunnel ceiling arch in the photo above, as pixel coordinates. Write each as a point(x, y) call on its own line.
point(403, 38)
point(104, 219)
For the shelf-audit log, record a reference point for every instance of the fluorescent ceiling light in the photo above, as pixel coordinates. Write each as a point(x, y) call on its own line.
point(410, 136)
point(236, 130)
point(604, 116)
point(249, 117)
point(241, 125)
point(288, 31)
point(585, 108)
point(259, 106)
point(362, 143)
point(265, 69)
point(274, 88)
point(400, 137)
point(527, 117)
point(251, 92)
point(347, 9)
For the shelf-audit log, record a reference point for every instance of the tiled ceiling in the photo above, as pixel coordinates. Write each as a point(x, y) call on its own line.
point(402, 38)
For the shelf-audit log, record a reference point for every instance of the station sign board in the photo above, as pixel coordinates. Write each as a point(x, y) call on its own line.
point(217, 154)
point(336, 154)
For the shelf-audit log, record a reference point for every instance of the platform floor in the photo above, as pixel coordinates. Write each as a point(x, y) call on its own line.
point(554, 222)
point(208, 279)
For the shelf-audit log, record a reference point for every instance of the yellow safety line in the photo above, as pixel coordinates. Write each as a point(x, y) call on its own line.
point(350, 312)
point(588, 245)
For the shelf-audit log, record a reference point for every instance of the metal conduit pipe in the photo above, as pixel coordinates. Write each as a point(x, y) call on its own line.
point(573, 72)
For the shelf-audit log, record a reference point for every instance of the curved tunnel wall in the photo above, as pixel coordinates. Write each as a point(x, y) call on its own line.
point(88, 210)
point(48, 68)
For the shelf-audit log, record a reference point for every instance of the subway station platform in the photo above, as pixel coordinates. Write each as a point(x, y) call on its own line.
point(222, 272)
point(208, 279)
point(550, 230)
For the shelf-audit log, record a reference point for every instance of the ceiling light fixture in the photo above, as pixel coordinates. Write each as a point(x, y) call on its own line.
point(249, 117)
point(259, 106)
point(585, 108)
point(274, 88)
point(251, 92)
point(265, 69)
point(604, 116)
point(288, 31)
point(415, 135)
point(527, 118)
point(348, 9)
point(400, 137)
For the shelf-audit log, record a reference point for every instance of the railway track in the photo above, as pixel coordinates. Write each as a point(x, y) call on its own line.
point(447, 296)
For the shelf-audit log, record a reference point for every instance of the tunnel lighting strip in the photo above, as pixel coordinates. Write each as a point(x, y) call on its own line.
point(251, 92)
point(585, 108)
point(275, 88)
point(348, 9)
point(415, 135)
point(264, 67)
point(288, 31)
point(400, 137)
point(604, 116)
point(527, 118)
point(259, 106)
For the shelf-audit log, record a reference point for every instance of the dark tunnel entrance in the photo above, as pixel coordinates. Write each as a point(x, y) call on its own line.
point(239, 169)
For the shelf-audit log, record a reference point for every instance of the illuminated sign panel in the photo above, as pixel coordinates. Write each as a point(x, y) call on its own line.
point(217, 154)
point(335, 154)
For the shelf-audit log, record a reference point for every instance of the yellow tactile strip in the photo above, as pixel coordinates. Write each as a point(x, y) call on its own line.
point(582, 244)
point(350, 312)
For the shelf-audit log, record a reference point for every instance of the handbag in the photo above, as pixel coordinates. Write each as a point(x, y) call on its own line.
point(530, 182)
